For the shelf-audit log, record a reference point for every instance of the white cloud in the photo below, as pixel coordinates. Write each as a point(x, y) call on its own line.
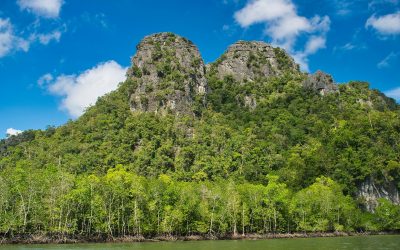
point(46, 38)
point(45, 79)
point(347, 46)
point(229, 30)
point(374, 4)
point(321, 24)
point(285, 31)
point(81, 91)
point(285, 26)
point(394, 93)
point(44, 8)
point(314, 44)
point(97, 19)
point(10, 42)
point(12, 131)
point(385, 25)
point(343, 7)
point(302, 59)
point(357, 43)
point(261, 11)
point(386, 62)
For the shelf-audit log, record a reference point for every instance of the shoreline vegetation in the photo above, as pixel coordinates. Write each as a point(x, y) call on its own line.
point(74, 239)
point(121, 203)
point(261, 156)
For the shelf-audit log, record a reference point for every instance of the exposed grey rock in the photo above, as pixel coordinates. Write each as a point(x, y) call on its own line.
point(170, 75)
point(321, 82)
point(366, 103)
point(246, 60)
point(250, 102)
point(369, 193)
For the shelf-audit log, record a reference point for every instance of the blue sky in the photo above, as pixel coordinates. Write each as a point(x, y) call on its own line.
point(58, 56)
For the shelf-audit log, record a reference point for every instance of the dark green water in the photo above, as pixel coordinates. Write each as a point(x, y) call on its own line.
point(359, 242)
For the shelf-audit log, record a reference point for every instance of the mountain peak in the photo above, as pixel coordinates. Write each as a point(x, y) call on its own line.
point(164, 39)
point(169, 74)
point(249, 60)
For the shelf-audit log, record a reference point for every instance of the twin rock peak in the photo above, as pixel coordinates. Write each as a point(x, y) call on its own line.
point(170, 75)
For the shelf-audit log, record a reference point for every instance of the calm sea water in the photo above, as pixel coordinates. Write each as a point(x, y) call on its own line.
point(357, 242)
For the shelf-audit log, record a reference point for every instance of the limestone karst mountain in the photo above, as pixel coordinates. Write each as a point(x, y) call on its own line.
point(247, 61)
point(169, 73)
point(247, 141)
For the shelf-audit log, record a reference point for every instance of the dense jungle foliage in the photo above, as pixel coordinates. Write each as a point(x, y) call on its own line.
point(292, 163)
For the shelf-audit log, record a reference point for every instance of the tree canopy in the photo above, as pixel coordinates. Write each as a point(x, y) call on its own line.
point(291, 163)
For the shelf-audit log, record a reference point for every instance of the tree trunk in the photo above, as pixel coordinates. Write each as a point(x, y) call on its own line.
point(275, 220)
point(242, 219)
point(212, 217)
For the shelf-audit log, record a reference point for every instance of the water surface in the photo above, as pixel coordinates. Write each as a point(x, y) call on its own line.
point(356, 242)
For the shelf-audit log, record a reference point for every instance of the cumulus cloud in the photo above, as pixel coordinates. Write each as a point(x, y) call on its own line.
point(43, 8)
point(285, 26)
point(394, 93)
point(261, 11)
point(385, 25)
point(9, 41)
point(13, 131)
point(80, 91)
point(387, 61)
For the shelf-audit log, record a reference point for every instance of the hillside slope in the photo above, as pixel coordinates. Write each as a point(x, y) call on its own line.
point(246, 144)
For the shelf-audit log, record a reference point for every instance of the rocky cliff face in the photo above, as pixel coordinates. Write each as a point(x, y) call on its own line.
point(369, 193)
point(321, 82)
point(247, 61)
point(169, 73)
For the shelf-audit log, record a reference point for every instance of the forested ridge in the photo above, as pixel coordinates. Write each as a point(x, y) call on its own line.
point(292, 163)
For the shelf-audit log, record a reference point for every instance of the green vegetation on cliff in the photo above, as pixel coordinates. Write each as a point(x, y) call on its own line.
point(265, 156)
